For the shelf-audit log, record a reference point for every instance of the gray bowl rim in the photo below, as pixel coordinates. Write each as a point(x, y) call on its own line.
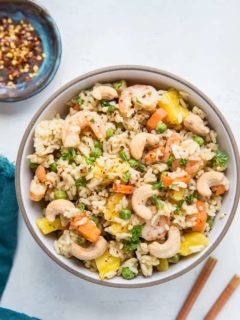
point(114, 69)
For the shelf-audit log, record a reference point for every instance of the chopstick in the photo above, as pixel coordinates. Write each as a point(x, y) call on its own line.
point(223, 298)
point(197, 288)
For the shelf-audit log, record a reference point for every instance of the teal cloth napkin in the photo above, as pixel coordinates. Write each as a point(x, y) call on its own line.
point(8, 231)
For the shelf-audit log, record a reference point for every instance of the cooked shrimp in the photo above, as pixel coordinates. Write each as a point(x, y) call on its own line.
point(143, 96)
point(37, 190)
point(79, 121)
point(158, 231)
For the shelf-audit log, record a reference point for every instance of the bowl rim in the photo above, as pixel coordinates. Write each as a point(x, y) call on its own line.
point(113, 69)
point(56, 65)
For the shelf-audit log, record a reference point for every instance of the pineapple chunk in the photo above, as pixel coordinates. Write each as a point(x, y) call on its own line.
point(193, 242)
point(116, 228)
point(47, 227)
point(177, 195)
point(106, 264)
point(170, 103)
point(110, 211)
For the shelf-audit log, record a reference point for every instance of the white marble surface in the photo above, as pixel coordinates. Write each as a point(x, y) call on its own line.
point(198, 40)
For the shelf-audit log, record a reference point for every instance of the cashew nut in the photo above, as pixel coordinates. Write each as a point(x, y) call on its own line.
point(140, 141)
point(57, 207)
point(104, 93)
point(139, 199)
point(92, 252)
point(211, 179)
point(195, 124)
point(169, 248)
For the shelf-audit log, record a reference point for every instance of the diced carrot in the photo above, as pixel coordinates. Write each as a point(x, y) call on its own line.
point(201, 217)
point(219, 190)
point(86, 227)
point(154, 155)
point(155, 118)
point(122, 188)
point(191, 168)
point(173, 139)
point(167, 180)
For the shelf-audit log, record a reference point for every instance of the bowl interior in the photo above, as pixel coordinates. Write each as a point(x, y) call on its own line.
point(159, 79)
point(51, 43)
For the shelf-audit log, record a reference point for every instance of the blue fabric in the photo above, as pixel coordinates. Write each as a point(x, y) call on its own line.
point(8, 231)
point(8, 219)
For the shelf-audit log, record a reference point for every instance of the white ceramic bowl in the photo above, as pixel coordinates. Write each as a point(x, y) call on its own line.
point(133, 74)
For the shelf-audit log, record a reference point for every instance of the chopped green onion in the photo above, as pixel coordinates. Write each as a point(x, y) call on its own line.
point(170, 161)
point(220, 160)
point(81, 206)
point(118, 85)
point(210, 222)
point(53, 167)
point(81, 182)
point(158, 203)
point(179, 206)
point(98, 144)
point(123, 155)
point(96, 153)
point(158, 185)
point(90, 160)
point(183, 162)
point(95, 219)
point(133, 163)
point(126, 177)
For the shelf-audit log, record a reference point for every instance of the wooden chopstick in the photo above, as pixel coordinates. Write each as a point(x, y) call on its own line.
point(197, 288)
point(223, 298)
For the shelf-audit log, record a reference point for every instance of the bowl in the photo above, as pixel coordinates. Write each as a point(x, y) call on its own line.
point(48, 32)
point(133, 74)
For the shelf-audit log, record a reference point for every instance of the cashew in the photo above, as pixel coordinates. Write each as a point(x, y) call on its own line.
point(211, 179)
point(195, 124)
point(92, 252)
point(139, 199)
point(169, 248)
point(57, 207)
point(104, 93)
point(140, 141)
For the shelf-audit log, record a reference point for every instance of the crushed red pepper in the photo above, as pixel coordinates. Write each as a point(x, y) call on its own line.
point(21, 53)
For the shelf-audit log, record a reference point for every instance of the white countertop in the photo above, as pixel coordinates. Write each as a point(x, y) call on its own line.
point(198, 40)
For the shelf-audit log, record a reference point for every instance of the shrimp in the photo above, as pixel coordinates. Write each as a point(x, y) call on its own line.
point(158, 231)
point(41, 173)
point(143, 96)
point(79, 121)
point(37, 190)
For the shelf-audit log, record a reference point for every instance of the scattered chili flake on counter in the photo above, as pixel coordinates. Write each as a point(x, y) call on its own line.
point(21, 53)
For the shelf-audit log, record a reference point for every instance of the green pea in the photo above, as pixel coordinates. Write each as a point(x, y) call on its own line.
point(96, 153)
point(161, 127)
point(60, 195)
point(81, 182)
point(199, 140)
point(109, 133)
point(128, 274)
point(125, 214)
point(110, 108)
point(33, 166)
point(81, 206)
point(53, 167)
point(123, 155)
point(163, 265)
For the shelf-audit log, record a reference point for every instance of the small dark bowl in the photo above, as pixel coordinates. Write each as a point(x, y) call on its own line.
point(48, 32)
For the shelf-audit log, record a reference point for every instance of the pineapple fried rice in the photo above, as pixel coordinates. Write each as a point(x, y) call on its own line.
point(132, 179)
